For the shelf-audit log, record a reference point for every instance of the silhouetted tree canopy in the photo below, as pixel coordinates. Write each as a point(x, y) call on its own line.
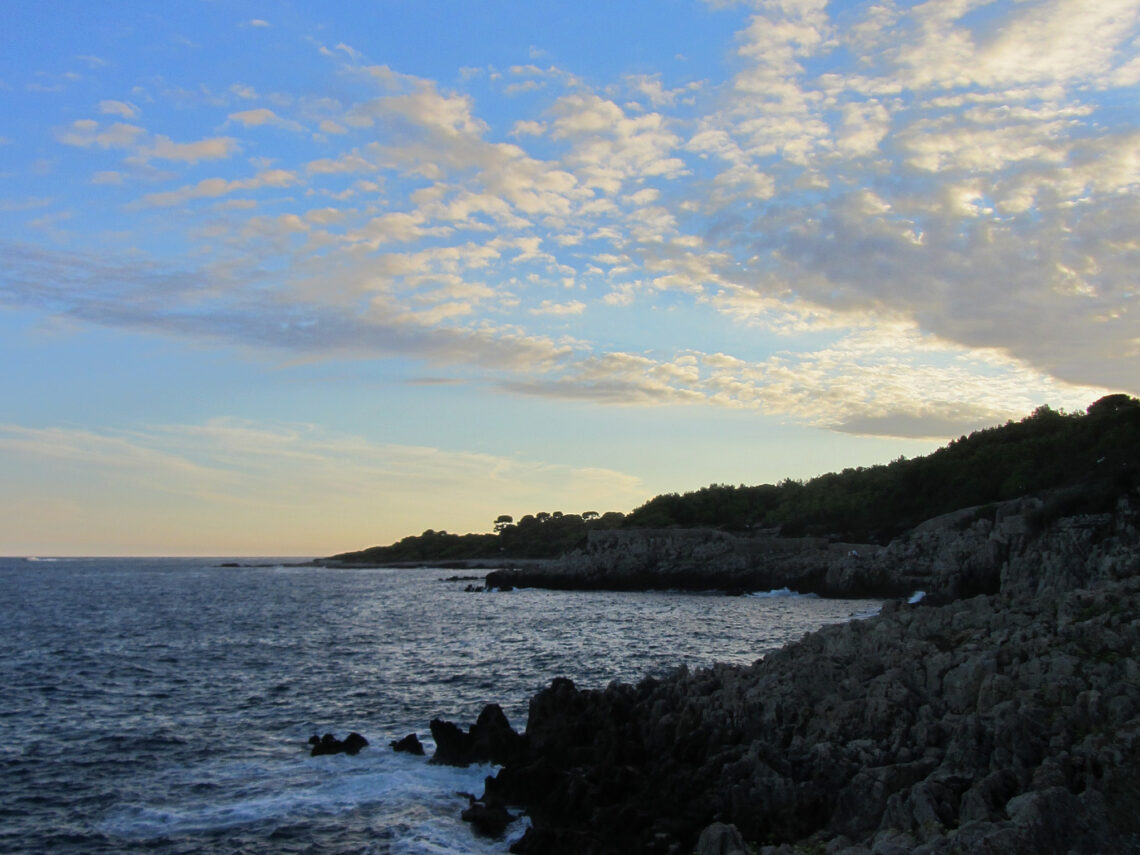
point(1095, 455)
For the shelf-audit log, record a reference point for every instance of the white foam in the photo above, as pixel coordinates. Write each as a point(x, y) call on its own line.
point(419, 803)
point(782, 592)
point(916, 597)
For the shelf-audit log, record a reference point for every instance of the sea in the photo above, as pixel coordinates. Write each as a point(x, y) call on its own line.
point(165, 705)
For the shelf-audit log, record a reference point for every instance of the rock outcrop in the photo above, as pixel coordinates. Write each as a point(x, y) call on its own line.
point(329, 744)
point(490, 740)
point(999, 723)
point(999, 714)
point(410, 744)
point(1021, 545)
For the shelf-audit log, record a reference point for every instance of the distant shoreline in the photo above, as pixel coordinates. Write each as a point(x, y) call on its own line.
point(446, 564)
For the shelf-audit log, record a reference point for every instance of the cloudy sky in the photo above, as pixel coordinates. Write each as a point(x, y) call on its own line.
point(286, 278)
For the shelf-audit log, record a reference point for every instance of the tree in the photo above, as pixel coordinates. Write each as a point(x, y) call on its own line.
point(503, 521)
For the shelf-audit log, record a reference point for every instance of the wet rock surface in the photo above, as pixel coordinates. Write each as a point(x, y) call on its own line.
point(410, 744)
point(329, 744)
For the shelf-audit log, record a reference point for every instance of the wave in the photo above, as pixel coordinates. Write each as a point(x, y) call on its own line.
point(420, 803)
point(776, 593)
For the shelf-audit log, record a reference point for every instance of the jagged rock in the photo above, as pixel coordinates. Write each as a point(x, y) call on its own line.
point(410, 744)
point(490, 740)
point(987, 724)
point(329, 744)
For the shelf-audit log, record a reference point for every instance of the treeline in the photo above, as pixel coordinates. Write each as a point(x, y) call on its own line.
point(541, 535)
point(1096, 455)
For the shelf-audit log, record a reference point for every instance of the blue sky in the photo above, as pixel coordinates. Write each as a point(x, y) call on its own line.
point(285, 279)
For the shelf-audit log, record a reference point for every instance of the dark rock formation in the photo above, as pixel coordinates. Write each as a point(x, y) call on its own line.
point(410, 744)
point(1012, 546)
point(329, 744)
point(490, 740)
point(990, 724)
point(999, 714)
point(488, 821)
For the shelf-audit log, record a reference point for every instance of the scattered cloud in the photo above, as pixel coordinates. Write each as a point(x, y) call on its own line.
point(547, 307)
point(119, 108)
point(209, 188)
point(215, 148)
point(264, 116)
point(900, 219)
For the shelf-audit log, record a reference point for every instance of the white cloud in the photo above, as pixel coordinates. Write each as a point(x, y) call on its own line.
point(118, 108)
point(215, 148)
point(264, 116)
point(548, 307)
point(87, 132)
point(213, 187)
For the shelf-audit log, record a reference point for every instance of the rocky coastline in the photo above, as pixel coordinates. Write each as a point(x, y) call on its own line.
point(999, 714)
point(1021, 544)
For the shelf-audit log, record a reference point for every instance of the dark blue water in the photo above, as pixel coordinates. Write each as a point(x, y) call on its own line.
point(165, 705)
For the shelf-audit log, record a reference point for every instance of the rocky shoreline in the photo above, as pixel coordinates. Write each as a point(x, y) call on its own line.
point(1001, 714)
point(1023, 544)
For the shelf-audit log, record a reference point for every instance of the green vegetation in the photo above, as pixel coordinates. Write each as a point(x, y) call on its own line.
point(1085, 460)
point(541, 535)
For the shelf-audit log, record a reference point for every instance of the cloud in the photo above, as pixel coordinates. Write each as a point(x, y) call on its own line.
point(611, 148)
point(143, 146)
point(548, 307)
point(118, 108)
point(959, 170)
point(87, 132)
point(264, 116)
point(215, 148)
point(1064, 41)
point(209, 188)
point(44, 81)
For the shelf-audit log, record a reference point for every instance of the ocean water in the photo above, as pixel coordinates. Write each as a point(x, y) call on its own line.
point(165, 705)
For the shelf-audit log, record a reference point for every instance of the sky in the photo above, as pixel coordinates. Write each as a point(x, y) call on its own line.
point(283, 278)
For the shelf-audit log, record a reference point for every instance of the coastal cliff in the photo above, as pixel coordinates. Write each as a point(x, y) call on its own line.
point(1024, 545)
